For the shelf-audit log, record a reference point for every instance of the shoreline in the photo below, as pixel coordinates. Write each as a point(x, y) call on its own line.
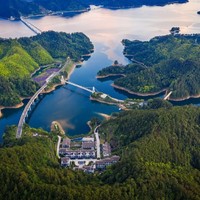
point(10, 107)
point(156, 93)
point(87, 9)
point(105, 116)
point(44, 92)
point(137, 93)
point(110, 75)
point(185, 98)
point(53, 123)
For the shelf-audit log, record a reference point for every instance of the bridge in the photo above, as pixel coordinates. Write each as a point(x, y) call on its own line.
point(167, 95)
point(30, 103)
point(35, 97)
point(82, 87)
point(31, 26)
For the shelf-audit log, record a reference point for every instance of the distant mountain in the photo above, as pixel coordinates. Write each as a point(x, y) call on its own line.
point(16, 8)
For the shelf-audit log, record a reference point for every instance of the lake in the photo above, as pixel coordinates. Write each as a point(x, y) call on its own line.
point(106, 28)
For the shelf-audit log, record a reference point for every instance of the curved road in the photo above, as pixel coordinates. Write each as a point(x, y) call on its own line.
point(97, 142)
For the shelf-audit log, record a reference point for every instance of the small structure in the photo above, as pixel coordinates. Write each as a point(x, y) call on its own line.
point(65, 162)
point(66, 143)
point(103, 96)
point(106, 149)
point(175, 30)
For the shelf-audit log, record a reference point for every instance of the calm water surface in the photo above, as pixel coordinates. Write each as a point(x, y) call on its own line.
point(106, 28)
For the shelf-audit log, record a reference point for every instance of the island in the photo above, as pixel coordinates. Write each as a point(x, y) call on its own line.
point(164, 64)
point(14, 9)
point(27, 63)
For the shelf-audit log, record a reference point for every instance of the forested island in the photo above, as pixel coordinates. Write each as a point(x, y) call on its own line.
point(160, 159)
point(19, 58)
point(17, 8)
point(165, 63)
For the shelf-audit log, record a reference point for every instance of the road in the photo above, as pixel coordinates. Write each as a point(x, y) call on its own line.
point(58, 146)
point(97, 142)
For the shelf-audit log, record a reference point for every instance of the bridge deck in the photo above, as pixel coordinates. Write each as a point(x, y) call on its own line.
point(31, 26)
point(26, 109)
point(79, 86)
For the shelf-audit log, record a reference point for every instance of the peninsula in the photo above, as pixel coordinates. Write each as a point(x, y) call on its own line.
point(26, 63)
point(165, 63)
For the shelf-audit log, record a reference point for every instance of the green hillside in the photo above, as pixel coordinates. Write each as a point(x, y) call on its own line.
point(160, 152)
point(167, 62)
point(21, 57)
point(160, 159)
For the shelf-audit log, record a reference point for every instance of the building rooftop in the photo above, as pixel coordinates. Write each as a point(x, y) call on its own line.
point(88, 145)
point(87, 139)
point(105, 161)
point(65, 160)
point(103, 96)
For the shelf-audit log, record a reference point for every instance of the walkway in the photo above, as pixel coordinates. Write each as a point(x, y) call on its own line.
point(81, 87)
point(97, 142)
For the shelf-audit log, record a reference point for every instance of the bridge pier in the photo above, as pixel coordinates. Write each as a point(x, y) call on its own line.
point(62, 80)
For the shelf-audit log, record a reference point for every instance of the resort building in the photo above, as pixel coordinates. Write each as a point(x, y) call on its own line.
point(77, 154)
point(83, 154)
point(102, 164)
point(65, 162)
point(66, 143)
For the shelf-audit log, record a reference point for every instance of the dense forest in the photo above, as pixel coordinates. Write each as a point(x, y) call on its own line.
point(21, 57)
point(160, 159)
point(16, 8)
point(166, 62)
